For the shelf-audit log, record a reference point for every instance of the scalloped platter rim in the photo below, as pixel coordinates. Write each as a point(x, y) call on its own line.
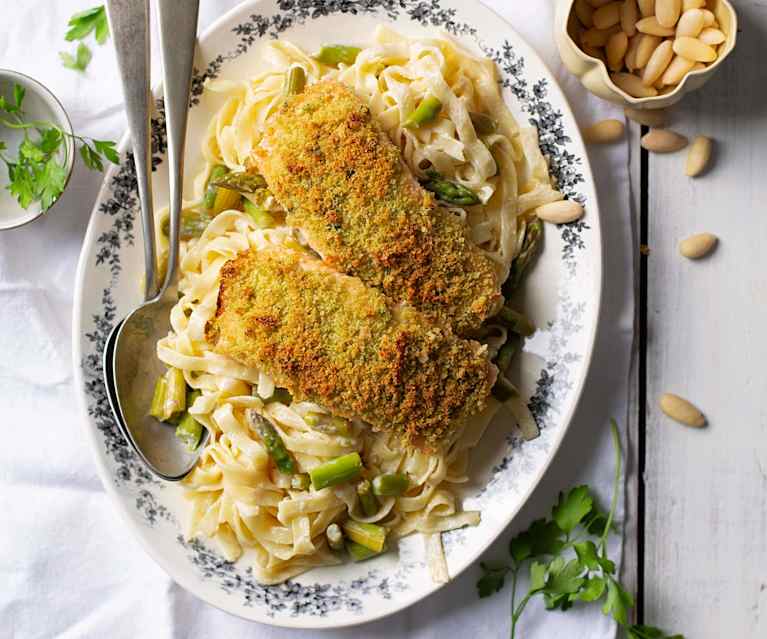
point(562, 295)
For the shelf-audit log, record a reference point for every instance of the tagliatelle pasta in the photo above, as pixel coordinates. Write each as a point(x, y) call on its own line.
point(237, 495)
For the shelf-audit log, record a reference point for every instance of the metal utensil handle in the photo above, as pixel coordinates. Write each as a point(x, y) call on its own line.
point(178, 36)
point(129, 23)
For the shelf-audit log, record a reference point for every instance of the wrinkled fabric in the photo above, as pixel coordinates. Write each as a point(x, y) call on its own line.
point(68, 566)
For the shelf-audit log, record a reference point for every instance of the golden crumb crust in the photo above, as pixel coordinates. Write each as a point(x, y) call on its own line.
point(344, 184)
point(328, 338)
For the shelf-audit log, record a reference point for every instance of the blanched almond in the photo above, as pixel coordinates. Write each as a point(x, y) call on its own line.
point(595, 52)
point(648, 117)
point(646, 8)
point(693, 4)
point(629, 17)
point(597, 37)
point(694, 49)
point(663, 141)
point(697, 246)
point(690, 24)
point(585, 13)
point(633, 85)
point(668, 12)
point(682, 411)
point(698, 66)
point(709, 19)
point(616, 49)
point(658, 63)
point(699, 156)
point(676, 71)
point(560, 212)
point(607, 16)
point(631, 52)
point(653, 27)
point(711, 36)
point(604, 132)
point(647, 46)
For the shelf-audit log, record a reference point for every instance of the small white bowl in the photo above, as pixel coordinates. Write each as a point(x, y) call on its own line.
point(594, 75)
point(39, 104)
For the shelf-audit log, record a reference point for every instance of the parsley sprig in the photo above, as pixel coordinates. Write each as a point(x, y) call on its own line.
point(81, 25)
point(38, 173)
point(567, 559)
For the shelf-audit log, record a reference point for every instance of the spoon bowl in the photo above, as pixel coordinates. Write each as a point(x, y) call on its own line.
point(131, 369)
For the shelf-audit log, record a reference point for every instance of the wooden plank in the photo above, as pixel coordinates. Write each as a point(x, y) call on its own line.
point(632, 532)
point(706, 514)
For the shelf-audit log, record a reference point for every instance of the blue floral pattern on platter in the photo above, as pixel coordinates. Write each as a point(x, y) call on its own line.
point(295, 598)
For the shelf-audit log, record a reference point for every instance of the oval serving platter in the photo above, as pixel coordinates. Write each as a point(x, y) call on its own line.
point(562, 296)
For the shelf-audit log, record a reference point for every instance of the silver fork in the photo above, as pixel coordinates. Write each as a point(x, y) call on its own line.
point(130, 360)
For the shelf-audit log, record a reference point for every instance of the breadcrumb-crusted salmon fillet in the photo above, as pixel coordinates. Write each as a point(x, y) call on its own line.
point(331, 339)
point(344, 184)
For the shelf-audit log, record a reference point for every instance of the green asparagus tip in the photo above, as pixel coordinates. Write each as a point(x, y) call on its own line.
point(336, 471)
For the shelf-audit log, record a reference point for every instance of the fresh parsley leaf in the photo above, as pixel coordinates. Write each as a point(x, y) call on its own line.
point(587, 553)
point(50, 140)
point(21, 185)
point(546, 538)
point(618, 602)
point(538, 576)
point(2, 146)
point(107, 149)
point(91, 158)
point(638, 631)
point(18, 95)
point(52, 181)
point(80, 61)
point(30, 151)
point(493, 579)
point(521, 547)
point(592, 590)
point(572, 508)
point(81, 24)
point(6, 106)
point(564, 578)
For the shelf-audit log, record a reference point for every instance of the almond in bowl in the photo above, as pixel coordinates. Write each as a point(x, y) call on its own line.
point(641, 54)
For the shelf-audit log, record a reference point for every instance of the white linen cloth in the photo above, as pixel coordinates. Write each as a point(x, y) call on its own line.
point(68, 566)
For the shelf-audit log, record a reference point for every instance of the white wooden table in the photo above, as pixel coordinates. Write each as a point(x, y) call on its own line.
point(698, 498)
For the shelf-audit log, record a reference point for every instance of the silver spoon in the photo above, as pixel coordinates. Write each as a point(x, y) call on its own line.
point(131, 367)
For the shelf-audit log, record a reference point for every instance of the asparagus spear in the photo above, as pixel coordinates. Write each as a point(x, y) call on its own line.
point(242, 182)
point(506, 353)
point(370, 536)
point(295, 81)
point(336, 471)
point(425, 112)
point(450, 192)
point(516, 321)
point(157, 409)
point(273, 443)
point(358, 552)
point(334, 536)
point(281, 395)
point(367, 499)
point(189, 431)
point(335, 54)
point(391, 484)
point(300, 481)
point(483, 124)
point(209, 199)
point(260, 216)
point(530, 246)
point(193, 223)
